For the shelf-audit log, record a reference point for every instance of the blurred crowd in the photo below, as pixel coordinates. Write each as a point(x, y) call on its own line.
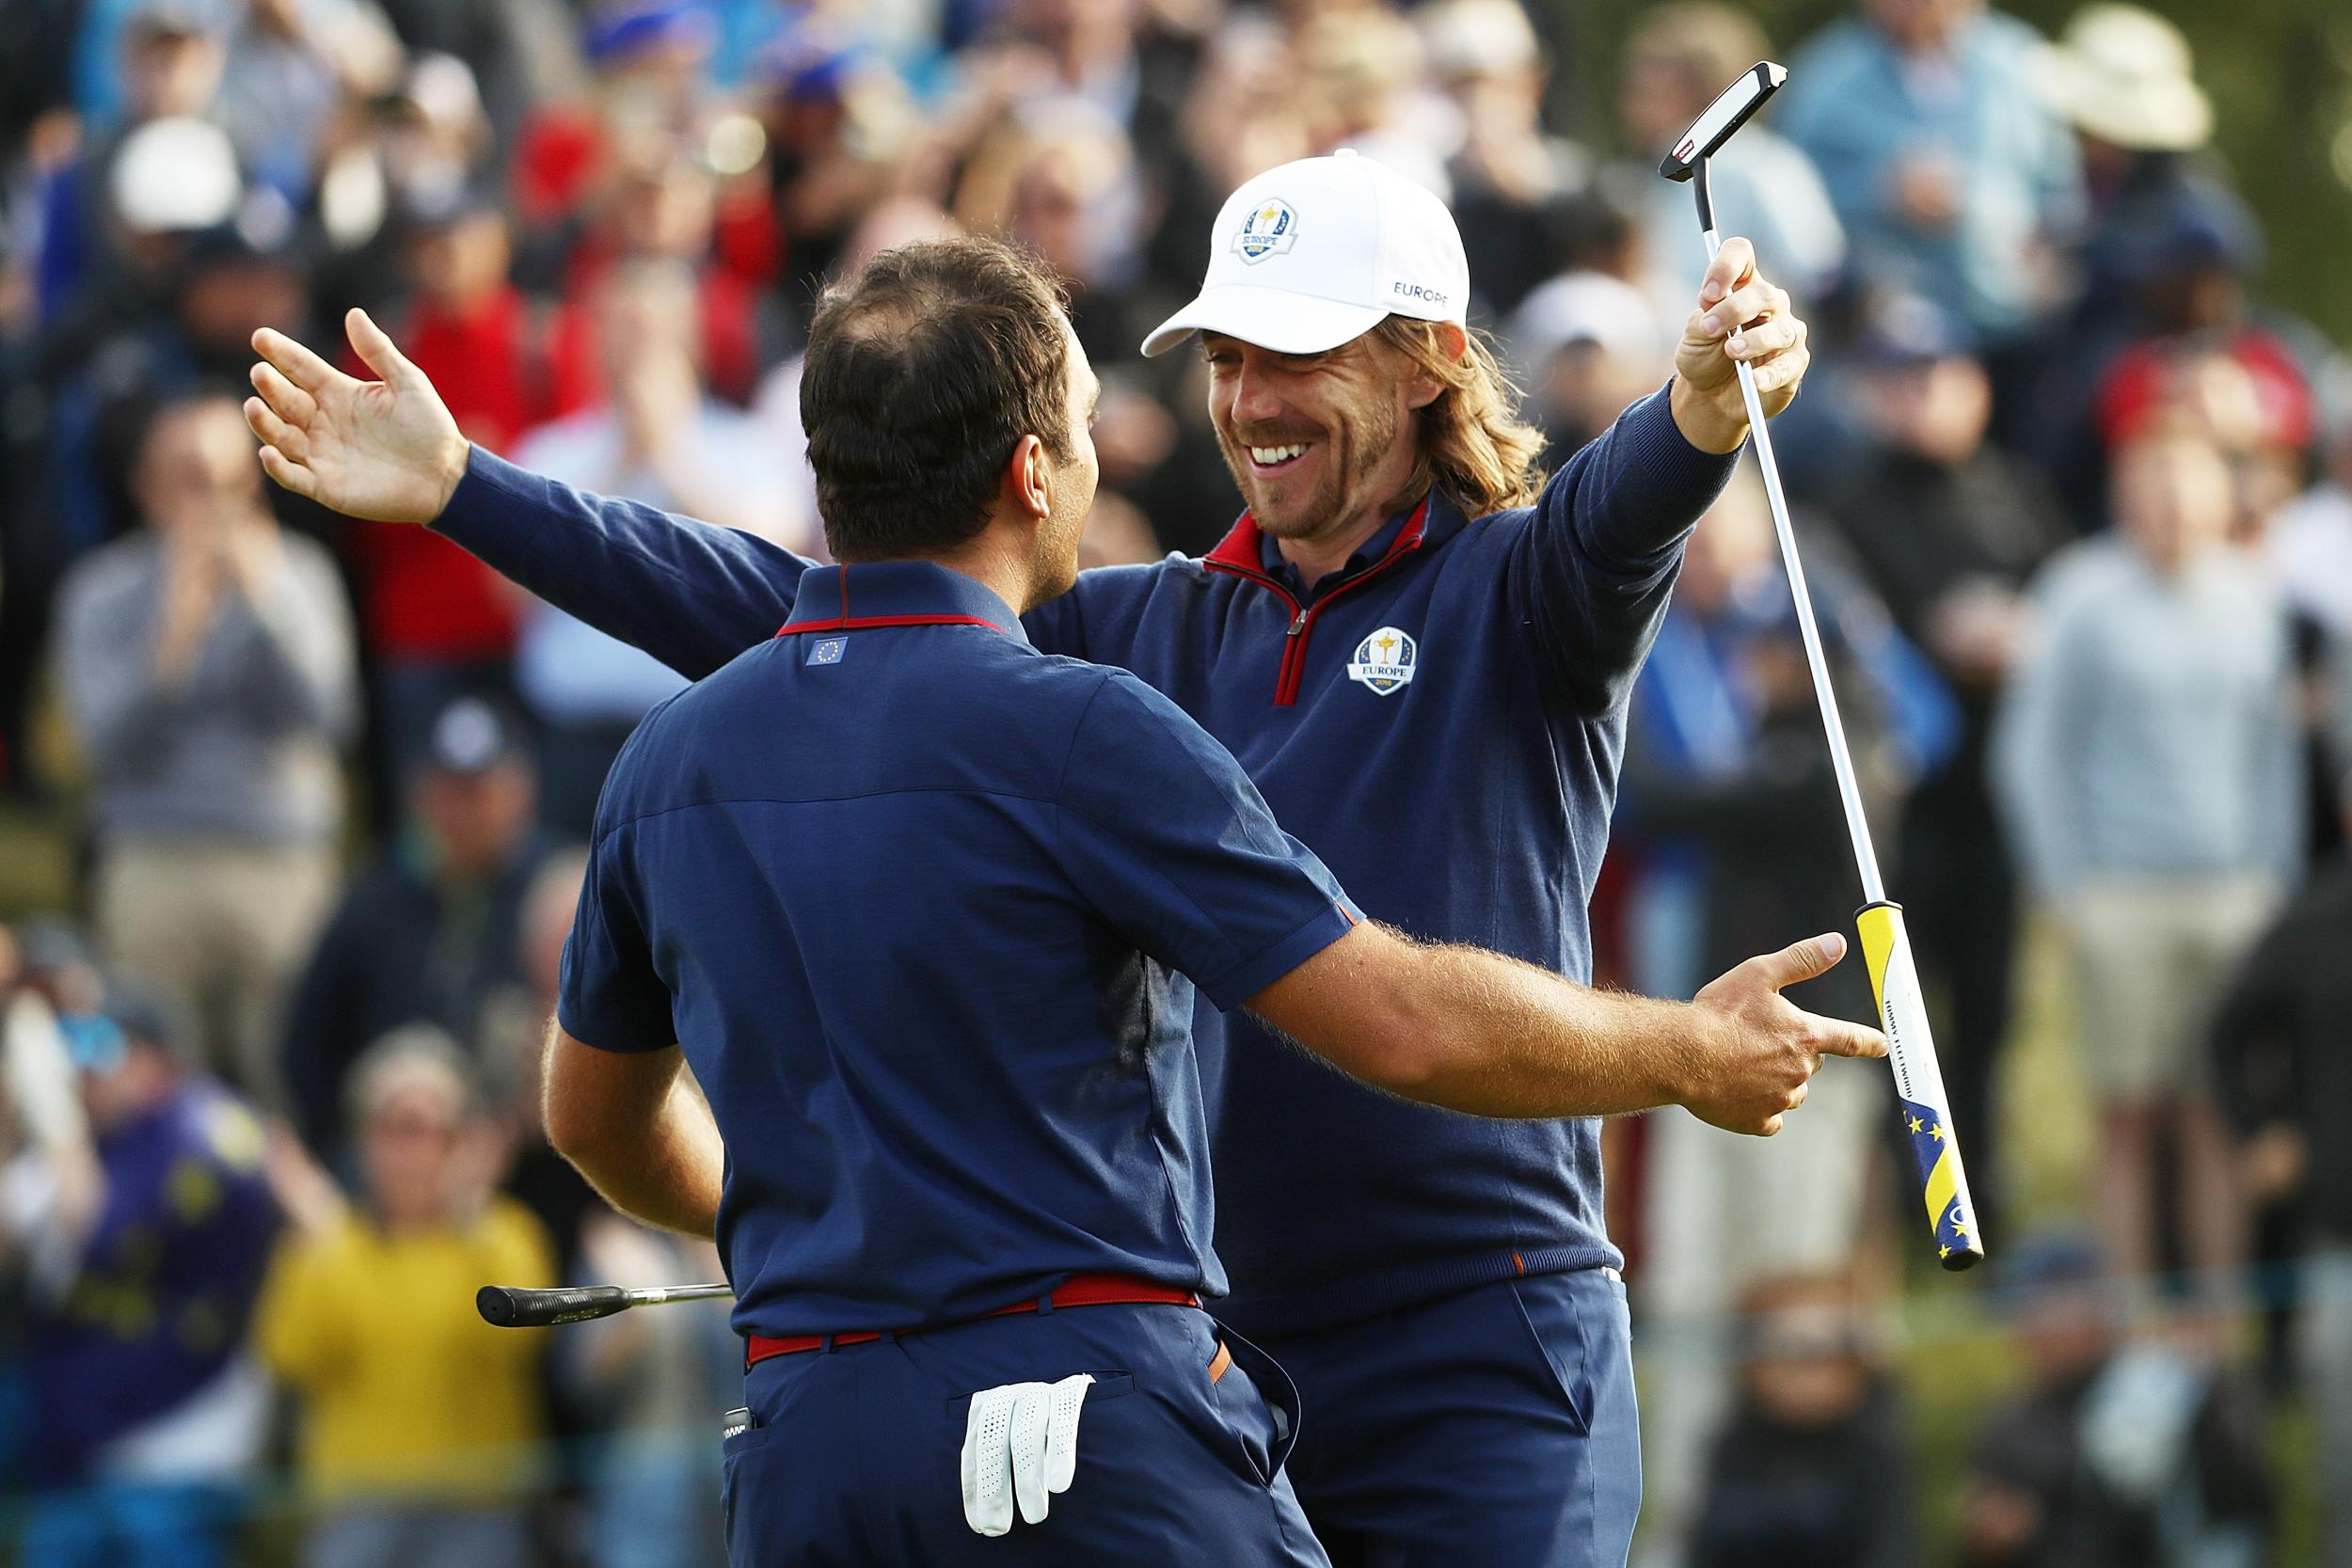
point(2075, 503)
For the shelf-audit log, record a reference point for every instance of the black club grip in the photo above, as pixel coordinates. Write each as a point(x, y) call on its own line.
point(511, 1306)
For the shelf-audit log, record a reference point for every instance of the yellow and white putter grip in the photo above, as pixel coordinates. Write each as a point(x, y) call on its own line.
point(1919, 1085)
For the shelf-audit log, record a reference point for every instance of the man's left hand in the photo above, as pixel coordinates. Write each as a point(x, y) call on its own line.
point(1740, 318)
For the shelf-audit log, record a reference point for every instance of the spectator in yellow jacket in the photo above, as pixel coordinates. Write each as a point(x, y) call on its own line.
point(420, 1425)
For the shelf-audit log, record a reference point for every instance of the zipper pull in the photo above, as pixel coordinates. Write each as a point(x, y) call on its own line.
point(1298, 624)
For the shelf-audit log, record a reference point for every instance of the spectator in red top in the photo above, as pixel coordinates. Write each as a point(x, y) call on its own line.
point(651, 65)
point(651, 162)
point(662, 203)
point(2243, 384)
point(2183, 292)
point(437, 621)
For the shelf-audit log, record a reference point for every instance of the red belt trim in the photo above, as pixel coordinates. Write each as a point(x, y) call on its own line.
point(1084, 1289)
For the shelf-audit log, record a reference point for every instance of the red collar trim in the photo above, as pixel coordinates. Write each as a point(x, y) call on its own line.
point(1243, 549)
point(859, 623)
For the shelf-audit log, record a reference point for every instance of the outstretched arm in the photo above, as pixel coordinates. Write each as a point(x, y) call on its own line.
point(1477, 1032)
point(1160, 830)
point(1593, 569)
point(389, 450)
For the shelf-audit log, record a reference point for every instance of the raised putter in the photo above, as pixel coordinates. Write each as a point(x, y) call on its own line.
point(1886, 945)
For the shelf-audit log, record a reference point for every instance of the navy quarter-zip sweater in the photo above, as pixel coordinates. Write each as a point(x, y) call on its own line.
point(1465, 801)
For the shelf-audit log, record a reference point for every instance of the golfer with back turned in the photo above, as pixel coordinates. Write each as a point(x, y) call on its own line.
point(1422, 660)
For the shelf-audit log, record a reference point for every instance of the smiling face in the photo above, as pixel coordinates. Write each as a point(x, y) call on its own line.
point(1318, 443)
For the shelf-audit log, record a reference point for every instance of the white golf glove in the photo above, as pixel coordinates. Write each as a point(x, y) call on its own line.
point(1020, 1444)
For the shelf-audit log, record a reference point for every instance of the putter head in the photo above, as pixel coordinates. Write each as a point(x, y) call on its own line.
point(1729, 111)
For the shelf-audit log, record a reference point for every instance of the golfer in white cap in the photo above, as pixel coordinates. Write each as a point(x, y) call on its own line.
point(1420, 651)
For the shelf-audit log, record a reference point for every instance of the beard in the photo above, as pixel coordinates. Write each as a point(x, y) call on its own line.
point(1335, 482)
point(1054, 568)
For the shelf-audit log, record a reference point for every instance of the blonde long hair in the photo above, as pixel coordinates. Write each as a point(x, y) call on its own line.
point(1473, 444)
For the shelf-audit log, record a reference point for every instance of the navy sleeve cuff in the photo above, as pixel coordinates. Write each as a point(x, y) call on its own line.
point(625, 1037)
point(1245, 980)
point(481, 510)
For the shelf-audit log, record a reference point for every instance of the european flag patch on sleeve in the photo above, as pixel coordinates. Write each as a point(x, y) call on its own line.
point(828, 650)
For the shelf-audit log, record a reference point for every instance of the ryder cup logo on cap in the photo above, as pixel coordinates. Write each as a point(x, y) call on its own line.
point(1315, 253)
point(1266, 230)
point(1385, 660)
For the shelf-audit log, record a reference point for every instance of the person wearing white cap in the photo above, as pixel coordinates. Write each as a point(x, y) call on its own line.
point(1422, 654)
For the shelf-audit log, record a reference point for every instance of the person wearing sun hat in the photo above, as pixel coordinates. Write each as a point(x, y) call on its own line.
point(2122, 75)
point(2124, 79)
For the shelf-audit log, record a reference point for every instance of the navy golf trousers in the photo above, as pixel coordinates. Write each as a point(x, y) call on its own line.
point(1493, 1427)
point(854, 1456)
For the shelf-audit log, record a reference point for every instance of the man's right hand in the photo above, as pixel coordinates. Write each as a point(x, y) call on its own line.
point(385, 449)
point(1474, 1030)
point(1758, 1061)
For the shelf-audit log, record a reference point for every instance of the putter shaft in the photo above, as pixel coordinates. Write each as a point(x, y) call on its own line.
point(1840, 755)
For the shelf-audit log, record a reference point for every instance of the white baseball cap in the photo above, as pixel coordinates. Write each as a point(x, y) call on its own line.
point(1311, 255)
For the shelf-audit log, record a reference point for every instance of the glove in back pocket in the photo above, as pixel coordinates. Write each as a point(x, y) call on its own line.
point(1107, 1386)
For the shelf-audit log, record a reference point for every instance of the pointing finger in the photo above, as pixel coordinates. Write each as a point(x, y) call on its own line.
point(1799, 961)
point(301, 366)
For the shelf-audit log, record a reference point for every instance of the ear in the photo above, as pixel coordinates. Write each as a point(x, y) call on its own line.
point(1030, 478)
point(1425, 389)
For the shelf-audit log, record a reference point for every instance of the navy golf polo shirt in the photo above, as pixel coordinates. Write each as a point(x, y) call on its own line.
point(919, 902)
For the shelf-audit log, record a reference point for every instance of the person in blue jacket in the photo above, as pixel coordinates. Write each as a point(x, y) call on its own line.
point(1421, 655)
point(924, 909)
